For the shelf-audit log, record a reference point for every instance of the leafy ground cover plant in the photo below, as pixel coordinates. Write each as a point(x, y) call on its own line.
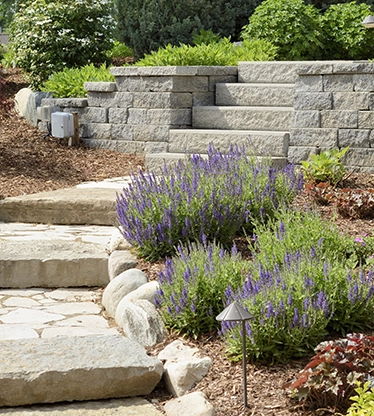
point(192, 287)
point(326, 166)
point(217, 197)
point(332, 374)
point(70, 81)
point(221, 53)
point(363, 402)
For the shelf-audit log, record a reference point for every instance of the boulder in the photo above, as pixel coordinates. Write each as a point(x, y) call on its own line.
point(120, 261)
point(120, 286)
point(141, 322)
point(27, 102)
point(183, 367)
point(193, 404)
point(117, 242)
point(75, 368)
point(148, 291)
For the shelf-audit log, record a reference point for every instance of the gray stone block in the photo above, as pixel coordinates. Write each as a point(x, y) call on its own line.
point(66, 102)
point(122, 146)
point(296, 154)
point(351, 100)
point(124, 99)
point(255, 94)
point(363, 82)
point(309, 83)
point(97, 131)
point(313, 100)
point(93, 115)
point(359, 157)
point(151, 133)
point(117, 115)
point(156, 147)
point(314, 68)
point(338, 82)
point(274, 71)
point(100, 99)
point(348, 67)
point(242, 118)
point(314, 137)
point(162, 100)
point(214, 80)
point(345, 119)
point(203, 98)
point(366, 119)
point(75, 368)
point(306, 119)
point(353, 138)
point(169, 116)
point(100, 86)
point(122, 132)
point(138, 116)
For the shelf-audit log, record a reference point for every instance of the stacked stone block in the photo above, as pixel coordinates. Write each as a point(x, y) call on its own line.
point(334, 108)
point(136, 112)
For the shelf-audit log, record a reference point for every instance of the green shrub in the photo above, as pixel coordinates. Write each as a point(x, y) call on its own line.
point(48, 36)
point(119, 50)
point(192, 287)
point(222, 53)
point(205, 36)
point(325, 166)
point(3, 51)
point(291, 25)
point(363, 403)
point(147, 25)
point(70, 81)
point(346, 37)
point(217, 197)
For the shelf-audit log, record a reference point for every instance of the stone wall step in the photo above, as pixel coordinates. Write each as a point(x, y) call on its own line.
point(155, 161)
point(54, 263)
point(261, 143)
point(75, 368)
point(249, 94)
point(242, 118)
point(64, 206)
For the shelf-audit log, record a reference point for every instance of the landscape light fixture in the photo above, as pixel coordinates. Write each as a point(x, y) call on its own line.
point(234, 312)
point(368, 22)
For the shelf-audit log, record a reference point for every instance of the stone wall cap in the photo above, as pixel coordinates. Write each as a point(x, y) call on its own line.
point(66, 102)
point(172, 71)
point(100, 86)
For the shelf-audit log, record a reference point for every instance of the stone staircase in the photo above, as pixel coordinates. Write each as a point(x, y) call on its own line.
point(56, 345)
point(258, 109)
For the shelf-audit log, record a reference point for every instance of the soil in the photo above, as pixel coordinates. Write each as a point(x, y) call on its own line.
point(29, 164)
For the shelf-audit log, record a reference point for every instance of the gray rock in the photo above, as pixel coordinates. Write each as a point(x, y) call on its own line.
point(27, 101)
point(193, 404)
point(120, 286)
point(184, 367)
point(141, 322)
point(117, 242)
point(148, 292)
point(74, 368)
point(119, 261)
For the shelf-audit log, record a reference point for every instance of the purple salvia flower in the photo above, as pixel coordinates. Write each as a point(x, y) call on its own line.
point(304, 320)
point(270, 310)
point(296, 318)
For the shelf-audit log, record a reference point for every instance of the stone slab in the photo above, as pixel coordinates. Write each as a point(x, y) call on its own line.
point(53, 263)
point(112, 407)
point(64, 206)
point(75, 368)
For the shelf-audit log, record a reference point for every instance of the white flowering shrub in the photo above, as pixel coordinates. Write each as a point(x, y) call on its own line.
point(48, 36)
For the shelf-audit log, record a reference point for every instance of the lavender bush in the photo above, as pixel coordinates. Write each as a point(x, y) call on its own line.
point(192, 287)
point(217, 197)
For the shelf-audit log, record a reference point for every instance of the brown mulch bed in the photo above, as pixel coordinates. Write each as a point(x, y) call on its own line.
point(29, 164)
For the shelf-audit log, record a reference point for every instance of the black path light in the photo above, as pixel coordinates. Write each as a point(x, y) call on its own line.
point(235, 312)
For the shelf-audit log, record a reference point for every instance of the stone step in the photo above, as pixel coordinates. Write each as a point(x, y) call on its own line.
point(135, 406)
point(249, 94)
point(75, 368)
point(63, 206)
point(242, 118)
point(155, 161)
point(262, 143)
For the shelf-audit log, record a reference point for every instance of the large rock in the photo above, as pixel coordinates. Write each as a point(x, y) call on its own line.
point(77, 368)
point(120, 261)
point(184, 367)
point(193, 404)
point(141, 322)
point(27, 102)
point(148, 291)
point(120, 286)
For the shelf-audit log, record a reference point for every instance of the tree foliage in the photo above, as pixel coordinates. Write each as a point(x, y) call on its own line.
point(47, 36)
point(147, 25)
